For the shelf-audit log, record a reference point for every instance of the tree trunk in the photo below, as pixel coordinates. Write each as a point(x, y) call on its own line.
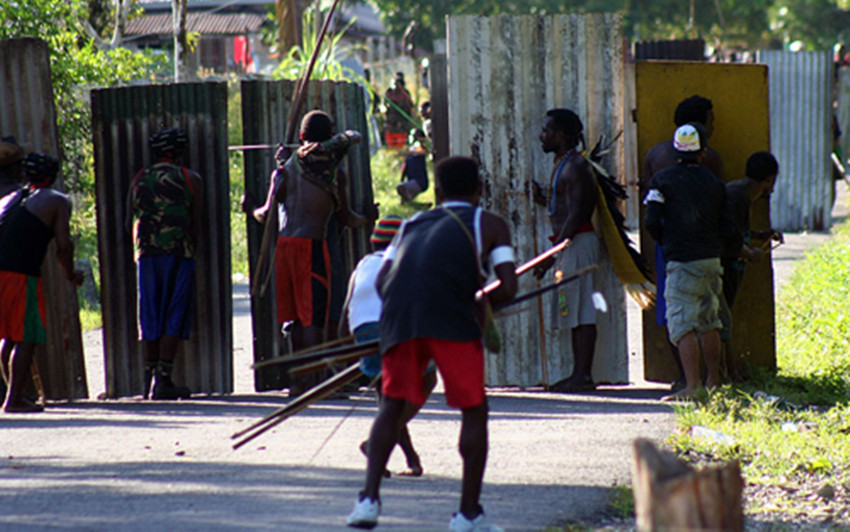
point(288, 16)
point(181, 48)
point(670, 495)
point(122, 9)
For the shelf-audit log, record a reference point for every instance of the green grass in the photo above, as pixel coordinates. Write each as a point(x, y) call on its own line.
point(386, 175)
point(812, 384)
point(238, 237)
point(90, 316)
point(622, 501)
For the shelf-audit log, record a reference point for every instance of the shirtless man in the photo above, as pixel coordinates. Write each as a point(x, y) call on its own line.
point(11, 159)
point(571, 200)
point(694, 109)
point(761, 172)
point(428, 283)
point(29, 219)
point(312, 188)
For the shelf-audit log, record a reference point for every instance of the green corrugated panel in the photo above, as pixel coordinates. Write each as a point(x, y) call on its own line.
point(123, 120)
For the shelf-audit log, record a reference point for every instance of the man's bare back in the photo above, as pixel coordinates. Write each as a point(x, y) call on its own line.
point(308, 207)
point(53, 208)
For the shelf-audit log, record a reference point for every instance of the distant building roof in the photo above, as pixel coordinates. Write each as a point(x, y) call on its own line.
point(203, 23)
point(367, 20)
point(202, 4)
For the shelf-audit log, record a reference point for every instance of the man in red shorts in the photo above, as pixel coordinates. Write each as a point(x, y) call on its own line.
point(313, 188)
point(30, 217)
point(428, 283)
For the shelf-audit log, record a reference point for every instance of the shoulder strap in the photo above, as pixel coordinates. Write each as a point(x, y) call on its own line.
point(15, 204)
point(471, 238)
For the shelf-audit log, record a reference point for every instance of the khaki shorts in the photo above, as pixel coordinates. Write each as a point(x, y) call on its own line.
point(692, 293)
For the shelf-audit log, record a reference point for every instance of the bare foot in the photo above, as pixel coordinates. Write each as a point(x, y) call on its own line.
point(685, 394)
point(573, 385)
point(415, 471)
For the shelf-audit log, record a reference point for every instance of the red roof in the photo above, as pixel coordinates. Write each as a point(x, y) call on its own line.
point(203, 23)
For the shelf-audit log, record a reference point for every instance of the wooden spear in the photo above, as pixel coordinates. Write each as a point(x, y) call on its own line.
point(267, 244)
point(316, 393)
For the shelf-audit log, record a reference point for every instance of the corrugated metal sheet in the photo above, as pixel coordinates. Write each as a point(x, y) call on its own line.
point(504, 73)
point(843, 112)
point(203, 23)
point(800, 137)
point(681, 50)
point(439, 93)
point(122, 120)
point(265, 109)
point(27, 112)
point(740, 96)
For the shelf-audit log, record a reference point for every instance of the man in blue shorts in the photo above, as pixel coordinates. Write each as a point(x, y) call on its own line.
point(164, 208)
point(686, 214)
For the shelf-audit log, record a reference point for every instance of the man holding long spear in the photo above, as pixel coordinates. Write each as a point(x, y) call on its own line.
point(428, 284)
point(570, 201)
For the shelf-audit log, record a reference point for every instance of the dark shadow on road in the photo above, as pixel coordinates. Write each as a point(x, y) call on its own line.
point(188, 496)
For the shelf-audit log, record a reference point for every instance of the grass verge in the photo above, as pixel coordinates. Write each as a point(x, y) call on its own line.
point(791, 430)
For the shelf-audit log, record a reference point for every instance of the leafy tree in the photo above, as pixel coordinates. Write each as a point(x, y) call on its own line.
point(727, 23)
point(328, 63)
point(819, 24)
point(76, 64)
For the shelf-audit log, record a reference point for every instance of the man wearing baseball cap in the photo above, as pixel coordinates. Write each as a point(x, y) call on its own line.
point(685, 213)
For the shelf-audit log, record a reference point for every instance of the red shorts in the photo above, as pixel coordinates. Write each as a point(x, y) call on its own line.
point(302, 274)
point(395, 140)
point(22, 308)
point(461, 365)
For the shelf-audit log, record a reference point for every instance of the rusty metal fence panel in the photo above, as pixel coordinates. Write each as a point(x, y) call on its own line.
point(265, 109)
point(122, 120)
point(678, 50)
point(504, 73)
point(800, 138)
point(27, 112)
point(439, 93)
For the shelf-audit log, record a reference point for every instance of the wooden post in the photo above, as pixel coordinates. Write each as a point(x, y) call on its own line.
point(671, 495)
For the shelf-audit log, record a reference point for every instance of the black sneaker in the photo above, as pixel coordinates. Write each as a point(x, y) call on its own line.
point(167, 390)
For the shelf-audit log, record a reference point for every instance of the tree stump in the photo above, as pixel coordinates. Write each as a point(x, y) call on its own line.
point(671, 495)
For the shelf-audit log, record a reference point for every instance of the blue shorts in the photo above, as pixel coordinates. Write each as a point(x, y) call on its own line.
point(660, 281)
point(165, 296)
point(370, 365)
